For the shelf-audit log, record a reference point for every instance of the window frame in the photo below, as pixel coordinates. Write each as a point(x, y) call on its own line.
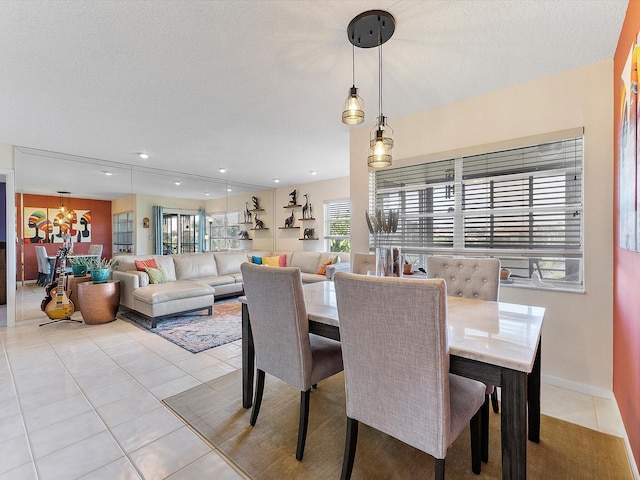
point(330, 220)
point(436, 214)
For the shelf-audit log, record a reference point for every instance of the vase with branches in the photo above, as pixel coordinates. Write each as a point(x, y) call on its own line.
point(381, 227)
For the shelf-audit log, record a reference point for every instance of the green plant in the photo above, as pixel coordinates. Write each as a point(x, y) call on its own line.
point(102, 263)
point(79, 261)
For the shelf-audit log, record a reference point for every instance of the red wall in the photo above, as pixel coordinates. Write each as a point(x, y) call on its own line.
point(626, 301)
point(101, 225)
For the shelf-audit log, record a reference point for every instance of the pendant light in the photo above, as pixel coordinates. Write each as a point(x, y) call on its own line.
point(353, 113)
point(367, 30)
point(381, 142)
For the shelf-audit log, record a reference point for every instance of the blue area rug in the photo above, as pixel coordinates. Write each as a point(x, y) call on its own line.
point(197, 331)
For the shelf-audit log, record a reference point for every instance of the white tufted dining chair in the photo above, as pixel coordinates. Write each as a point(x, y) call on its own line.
point(471, 278)
point(363, 263)
point(396, 367)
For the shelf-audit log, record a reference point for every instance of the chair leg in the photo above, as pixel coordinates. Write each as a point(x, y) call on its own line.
point(475, 427)
point(350, 444)
point(439, 469)
point(494, 400)
point(304, 422)
point(258, 397)
point(485, 429)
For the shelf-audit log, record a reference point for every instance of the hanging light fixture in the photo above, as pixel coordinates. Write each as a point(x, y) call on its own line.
point(64, 210)
point(353, 113)
point(367, 30)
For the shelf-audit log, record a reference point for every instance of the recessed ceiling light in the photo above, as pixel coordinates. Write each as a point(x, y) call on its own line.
point(229, 190)
point(206, 194)
point(143, 155)
point(313, 172)
point(107, 173)
point(177, 182)
point(222, 169)
point(276, 180)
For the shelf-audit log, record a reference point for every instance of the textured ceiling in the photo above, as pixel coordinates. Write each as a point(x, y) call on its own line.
point(257, 86)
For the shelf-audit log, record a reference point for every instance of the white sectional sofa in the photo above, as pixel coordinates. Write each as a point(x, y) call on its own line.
point(193, 279)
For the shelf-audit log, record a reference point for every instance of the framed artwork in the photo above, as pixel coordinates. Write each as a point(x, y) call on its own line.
point(81, 226)
point(628, 152)
point(61, 225)
point(36, 226)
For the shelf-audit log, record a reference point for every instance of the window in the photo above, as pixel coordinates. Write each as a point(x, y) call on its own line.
point(524, 206)
point(179, 233)
point(337, 226)
point(224, 230)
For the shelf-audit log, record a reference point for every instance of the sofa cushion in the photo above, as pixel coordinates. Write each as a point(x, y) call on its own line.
point(216, 280)
point(312, 277)
point(166, 262)
point(156, 275)
point(306, 261)
point(195, 265)
point(165, 292)
point(229, 262)
point(323, 268)
point(275, 261)
point(142, 265)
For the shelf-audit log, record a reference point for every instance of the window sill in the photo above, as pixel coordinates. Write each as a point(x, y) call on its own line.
point(547, 286)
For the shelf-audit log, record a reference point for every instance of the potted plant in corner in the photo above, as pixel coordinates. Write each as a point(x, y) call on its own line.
point(100, 269)
point(79, 265)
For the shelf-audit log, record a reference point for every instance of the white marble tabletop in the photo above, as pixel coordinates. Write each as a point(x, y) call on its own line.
point(498, 333)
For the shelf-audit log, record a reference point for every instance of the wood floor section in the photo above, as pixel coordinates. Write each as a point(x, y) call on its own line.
point(267, 451)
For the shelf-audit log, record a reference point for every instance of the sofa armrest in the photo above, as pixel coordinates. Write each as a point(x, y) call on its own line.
point(129, 281)
point(337, 267)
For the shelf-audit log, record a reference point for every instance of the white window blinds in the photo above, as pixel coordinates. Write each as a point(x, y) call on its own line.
point(337, 225)
point(523, 203)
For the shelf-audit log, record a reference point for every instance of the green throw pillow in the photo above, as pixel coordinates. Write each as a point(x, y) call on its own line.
point(156, 275)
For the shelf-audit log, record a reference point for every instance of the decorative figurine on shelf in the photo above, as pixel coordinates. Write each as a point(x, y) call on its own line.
point(288, 222)
point(309, 233)
point(256, 203)
point(294, 198)
point(244, 235)
point(259, 223)
point(247, 213)
point(305, 209)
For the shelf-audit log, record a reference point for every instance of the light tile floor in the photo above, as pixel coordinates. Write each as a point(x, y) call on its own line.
point(84, 402)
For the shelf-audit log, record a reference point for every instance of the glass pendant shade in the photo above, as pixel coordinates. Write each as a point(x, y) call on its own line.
point(353, 113)
point(380, 145)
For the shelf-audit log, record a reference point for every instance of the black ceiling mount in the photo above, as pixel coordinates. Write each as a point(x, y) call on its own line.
point(363, 30)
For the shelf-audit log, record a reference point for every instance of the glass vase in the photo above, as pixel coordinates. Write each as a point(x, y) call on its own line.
point(388, 262)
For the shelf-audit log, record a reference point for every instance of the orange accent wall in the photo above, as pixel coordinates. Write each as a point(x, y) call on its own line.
point(101, 226)
point(626, 301)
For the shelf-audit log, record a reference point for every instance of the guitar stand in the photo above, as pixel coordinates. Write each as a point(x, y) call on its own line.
point(68, 319)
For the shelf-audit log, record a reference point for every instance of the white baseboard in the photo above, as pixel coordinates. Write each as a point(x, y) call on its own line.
point(576, 386)
point(627, 445)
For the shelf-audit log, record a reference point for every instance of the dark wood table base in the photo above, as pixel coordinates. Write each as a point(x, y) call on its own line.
point(519, 390)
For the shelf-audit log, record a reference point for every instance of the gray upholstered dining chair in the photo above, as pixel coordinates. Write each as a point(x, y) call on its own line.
point(396, 367)
point(471, 278)
point(95, 249)
point(44, 266)
point(284, 348)
point(363, 263)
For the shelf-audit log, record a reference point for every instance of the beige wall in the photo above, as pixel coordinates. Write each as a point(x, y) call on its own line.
point(274, 201)
point(577, 333)
point(260, 240)
point(319, 193)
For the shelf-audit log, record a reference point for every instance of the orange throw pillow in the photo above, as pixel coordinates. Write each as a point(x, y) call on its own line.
point(323, 269)
point(142, 264)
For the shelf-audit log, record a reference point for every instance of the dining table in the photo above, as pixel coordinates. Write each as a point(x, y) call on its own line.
point(496, 343)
